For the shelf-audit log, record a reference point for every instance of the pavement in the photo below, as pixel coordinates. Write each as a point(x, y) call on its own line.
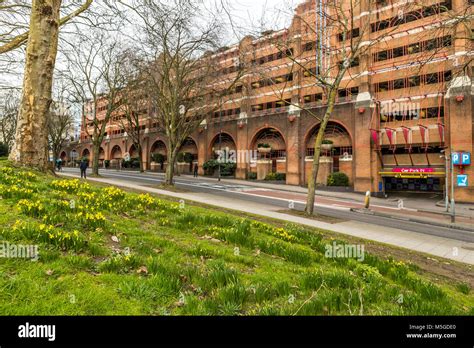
point(457, 248)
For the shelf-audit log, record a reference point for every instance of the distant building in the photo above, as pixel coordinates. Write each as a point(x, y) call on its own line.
point(405, 102)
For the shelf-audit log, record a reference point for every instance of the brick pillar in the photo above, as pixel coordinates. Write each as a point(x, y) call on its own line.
point(202, 147)
point(146, 152)
point(243, 148)
point(293, 154)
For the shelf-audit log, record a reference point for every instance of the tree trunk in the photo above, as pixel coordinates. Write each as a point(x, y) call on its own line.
point(31, 140)
point(95, 158)
point(317, 153)
point(170, 167)
point(140, 156)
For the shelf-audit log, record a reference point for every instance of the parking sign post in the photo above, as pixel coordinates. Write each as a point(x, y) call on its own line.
point(454, 160)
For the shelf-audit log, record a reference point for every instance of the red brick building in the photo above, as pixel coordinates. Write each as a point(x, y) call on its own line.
point(405, 102)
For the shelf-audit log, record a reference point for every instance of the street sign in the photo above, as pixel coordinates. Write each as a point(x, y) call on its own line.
point(462, 180)
point(461, 158)
point(456, 156)
point(466, 158)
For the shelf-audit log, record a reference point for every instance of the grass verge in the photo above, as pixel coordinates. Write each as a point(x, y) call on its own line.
point(105, 251)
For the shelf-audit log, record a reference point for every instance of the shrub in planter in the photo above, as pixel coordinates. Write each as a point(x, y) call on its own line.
point(210, 166)
point(188, 157)
point(263, 145)
point(252, 176)
point(338, 179)
point(275, 177)
point(185, 157)
point(281, 176)
point(327, 142)
point(228, 169)
point(158, 158)
point(270, 177)
point(107, 163)
point(133, 163)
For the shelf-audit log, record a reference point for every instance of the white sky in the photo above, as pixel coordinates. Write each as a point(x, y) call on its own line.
point(276, 13)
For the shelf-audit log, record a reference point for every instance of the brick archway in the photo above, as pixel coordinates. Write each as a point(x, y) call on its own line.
point(228, 142)
point(274, 161)
point(316, 126)
point(253, 143)
point(116, 152)
point(86, 153)
point(336, 159)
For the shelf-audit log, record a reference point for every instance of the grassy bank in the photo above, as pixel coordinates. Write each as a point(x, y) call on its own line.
point(106, 251)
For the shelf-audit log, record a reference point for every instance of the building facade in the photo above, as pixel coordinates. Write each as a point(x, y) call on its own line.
point(405, 104)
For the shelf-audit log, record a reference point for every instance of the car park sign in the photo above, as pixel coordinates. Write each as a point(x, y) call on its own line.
point(462, 180)
point(465, 158)
point(461, 158)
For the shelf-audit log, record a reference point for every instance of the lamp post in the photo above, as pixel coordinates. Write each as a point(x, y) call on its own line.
point(220, 146)
point(453, 210)
point(446, 184)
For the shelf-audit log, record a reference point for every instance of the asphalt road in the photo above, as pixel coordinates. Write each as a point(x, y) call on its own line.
point(239, 192)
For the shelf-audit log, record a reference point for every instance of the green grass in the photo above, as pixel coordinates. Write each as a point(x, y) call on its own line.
point(174, 260)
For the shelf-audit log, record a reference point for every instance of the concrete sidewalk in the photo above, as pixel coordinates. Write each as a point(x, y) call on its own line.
point(438, 246)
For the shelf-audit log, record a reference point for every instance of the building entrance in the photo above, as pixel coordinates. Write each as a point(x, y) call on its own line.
point(394, 184)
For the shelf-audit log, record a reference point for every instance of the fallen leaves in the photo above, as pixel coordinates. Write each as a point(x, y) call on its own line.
point(142, 270)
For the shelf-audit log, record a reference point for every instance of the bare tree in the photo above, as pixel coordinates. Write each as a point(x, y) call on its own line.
point(60, 126)
point(9, 106)
point(93, 74)
point(135, 104)
point(181, 76)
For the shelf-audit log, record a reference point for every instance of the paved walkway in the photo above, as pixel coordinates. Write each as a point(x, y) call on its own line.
point(438, 246)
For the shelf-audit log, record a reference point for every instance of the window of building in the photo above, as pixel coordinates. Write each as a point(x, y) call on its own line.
point(412, 16)
point(414, 48)
point(413, 81)
point(349, 35)
point(399, 84)
point(431, 78)
point(310, 46)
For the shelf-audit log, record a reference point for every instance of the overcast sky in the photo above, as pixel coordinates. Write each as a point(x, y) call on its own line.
point(249, 17)
point(276, 14)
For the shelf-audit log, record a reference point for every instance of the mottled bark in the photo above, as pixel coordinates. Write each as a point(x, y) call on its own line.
point(31, 140)
point(170, 168)
point(95, 158)
point(317, 153)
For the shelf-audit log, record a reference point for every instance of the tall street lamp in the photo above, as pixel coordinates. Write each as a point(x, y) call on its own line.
point(453, 210)
point(446, 184)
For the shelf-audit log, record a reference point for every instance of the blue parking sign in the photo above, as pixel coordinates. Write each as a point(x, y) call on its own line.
point(462, 180)
point(465, 158)
point(456, 156)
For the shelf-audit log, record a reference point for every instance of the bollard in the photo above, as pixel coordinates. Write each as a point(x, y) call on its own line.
point(367, 200)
